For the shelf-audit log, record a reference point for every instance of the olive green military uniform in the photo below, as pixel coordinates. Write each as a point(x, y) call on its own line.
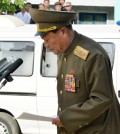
point(91, 107)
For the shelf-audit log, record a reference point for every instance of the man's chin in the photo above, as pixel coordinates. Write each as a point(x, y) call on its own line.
point(56, 52)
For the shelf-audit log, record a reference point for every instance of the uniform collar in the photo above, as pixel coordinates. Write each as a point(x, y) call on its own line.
point(72, 46)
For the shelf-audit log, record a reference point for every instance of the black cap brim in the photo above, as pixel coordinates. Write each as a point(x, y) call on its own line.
point(40, 33)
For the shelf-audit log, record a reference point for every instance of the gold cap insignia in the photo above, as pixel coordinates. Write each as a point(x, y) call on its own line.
point(45, 29)
point(81, 52)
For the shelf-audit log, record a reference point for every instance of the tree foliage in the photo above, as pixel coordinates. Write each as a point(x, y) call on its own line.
point(8, 5)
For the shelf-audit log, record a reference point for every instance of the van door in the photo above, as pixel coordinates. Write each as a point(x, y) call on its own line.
point(46, 89)
point(112, 48)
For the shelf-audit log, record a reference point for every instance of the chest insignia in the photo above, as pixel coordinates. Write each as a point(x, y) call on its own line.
point(81, 52)
point(69, 83)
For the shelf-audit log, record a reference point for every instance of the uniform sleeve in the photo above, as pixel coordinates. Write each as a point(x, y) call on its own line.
point(98, 78)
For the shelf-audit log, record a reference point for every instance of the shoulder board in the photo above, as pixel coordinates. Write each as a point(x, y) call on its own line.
point(81, 52)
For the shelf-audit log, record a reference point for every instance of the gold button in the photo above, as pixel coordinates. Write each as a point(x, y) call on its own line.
point(61, 92)
point(65, 59)
point(62, 76)
point(80, 126)
point(59, 108)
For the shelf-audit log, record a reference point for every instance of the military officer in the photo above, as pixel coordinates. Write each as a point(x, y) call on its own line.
point(87, 103)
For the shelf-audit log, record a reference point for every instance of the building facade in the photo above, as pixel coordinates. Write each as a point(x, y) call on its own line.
point(90, 11)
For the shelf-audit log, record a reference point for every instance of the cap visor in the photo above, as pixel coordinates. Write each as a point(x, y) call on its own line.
point(40, 33)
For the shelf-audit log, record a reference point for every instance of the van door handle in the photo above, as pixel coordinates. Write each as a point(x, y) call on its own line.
point(48, 65)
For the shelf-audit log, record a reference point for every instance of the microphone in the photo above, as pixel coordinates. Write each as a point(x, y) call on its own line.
point(3, 83)
point(10, 69)
point(3, 60)
point(2, 65)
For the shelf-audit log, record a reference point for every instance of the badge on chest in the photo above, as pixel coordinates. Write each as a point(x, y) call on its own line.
point(70, 82)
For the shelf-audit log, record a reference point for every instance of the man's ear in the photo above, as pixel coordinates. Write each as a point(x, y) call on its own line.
point(64, 30)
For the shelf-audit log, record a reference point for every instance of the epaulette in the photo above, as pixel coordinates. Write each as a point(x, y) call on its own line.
point(81, 52)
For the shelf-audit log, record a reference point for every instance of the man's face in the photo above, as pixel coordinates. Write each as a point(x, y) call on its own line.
point(41, 7)
point(47, 4)
point(55, 42)
point(62, 1)
point(68, 7)
point(28, 6)
point(58, 7)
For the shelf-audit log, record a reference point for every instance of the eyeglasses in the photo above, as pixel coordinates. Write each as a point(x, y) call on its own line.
point(67, 5)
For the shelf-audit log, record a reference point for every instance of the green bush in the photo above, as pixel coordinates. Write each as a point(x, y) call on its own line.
point(7, 5)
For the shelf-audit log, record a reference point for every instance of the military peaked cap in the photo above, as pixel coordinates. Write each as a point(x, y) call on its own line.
point(51, 20)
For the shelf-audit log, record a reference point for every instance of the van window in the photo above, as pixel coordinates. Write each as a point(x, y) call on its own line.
point(110, 49)
point(49, 60)
point(92, 18)
point(19, 49)
point(49, 63)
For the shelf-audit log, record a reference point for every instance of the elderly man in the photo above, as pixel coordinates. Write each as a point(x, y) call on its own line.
point(87, 103)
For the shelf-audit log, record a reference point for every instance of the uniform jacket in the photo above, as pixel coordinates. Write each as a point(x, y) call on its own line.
point(91, 107)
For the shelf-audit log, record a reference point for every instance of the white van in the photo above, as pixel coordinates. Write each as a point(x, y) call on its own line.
point(33, 89)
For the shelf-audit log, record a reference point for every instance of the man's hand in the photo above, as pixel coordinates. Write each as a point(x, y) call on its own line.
point(56, 121)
